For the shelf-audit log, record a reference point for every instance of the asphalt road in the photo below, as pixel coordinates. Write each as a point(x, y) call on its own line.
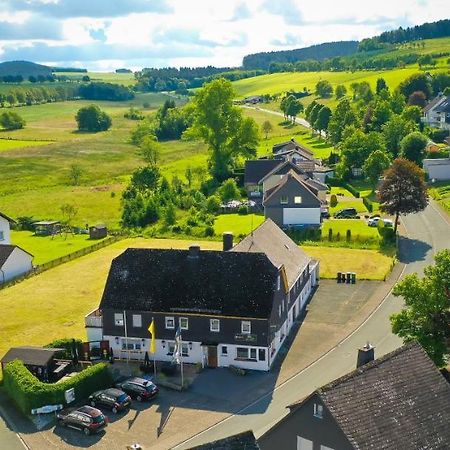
point(428, 232)
point(8, 439)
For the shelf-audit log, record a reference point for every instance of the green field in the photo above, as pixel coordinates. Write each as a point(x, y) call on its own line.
point(236, 223)
point(47, 248)
point(11, 144)
point(358, 227)
point(127, 79)
point(441, 193)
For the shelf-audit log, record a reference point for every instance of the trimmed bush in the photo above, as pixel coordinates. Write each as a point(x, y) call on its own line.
point(66, 344)
point(368, 203)
point(348, 235)
point(351, 189)
point(330, 234)
point(243, 210)
point(29, 393)
point(333, 200)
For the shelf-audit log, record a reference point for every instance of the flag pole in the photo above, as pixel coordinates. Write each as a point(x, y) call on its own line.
point(126, 336)
point(154, 353)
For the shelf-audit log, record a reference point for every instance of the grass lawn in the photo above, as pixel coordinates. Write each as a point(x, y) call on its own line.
point(45, 249)
point(358, 227)
point(238, 224)
point(53, 304)
point(357, 203)
point(10, 144)
point(367, 264)
point(440, 191)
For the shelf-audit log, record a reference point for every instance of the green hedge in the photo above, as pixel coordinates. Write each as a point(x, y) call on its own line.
point(29, 393)
point(66, 344)
point(368, 203)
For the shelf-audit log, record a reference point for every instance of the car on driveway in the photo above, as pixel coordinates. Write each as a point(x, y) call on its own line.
point(85, 418)
point(114, 399)
point(346, 213)
point(373, 222)
point(138, 388)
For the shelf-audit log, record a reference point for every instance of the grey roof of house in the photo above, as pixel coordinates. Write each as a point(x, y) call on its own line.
point(290, 145)
point(301, 151)
point(400, 401)
point(223, 283)
point(284, 168)
point(443, 106)
point(259, 168)
point(6, 250)
point(99, 226)
point(241, 441)
point(46, 222)
point(33, 356)
point(433, 103)
point(316, 184)
point(268, 238)
point(7, 218)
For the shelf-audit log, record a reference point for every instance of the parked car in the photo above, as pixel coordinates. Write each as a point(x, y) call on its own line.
point(85, 418)
point(374, 222)
point(346, 212)
point(114, 399)
point(138, 388)
point(388, 223)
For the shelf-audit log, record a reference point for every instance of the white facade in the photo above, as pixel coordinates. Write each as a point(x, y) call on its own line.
point(437, 169)
point(5, 233)
point(301, 216)
point(18, 263)
point(271, 182)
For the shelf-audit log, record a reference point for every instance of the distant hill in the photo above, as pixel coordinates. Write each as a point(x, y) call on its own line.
point(318, 52)
point(24, 69)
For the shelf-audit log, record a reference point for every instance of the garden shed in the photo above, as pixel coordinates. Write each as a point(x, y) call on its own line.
point(98, 231)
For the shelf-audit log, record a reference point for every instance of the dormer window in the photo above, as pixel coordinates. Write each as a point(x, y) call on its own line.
point(318, 410)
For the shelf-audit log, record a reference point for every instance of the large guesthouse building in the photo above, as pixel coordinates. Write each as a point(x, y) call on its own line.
point(233, 307)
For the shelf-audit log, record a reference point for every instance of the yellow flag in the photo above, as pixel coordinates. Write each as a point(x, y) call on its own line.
point(151, 328)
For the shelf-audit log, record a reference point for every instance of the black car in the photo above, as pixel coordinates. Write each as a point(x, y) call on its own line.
point(138, 388)
point(85, 418)
point(114, 399)
point(347, 212)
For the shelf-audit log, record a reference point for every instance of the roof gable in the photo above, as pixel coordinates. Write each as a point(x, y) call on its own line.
point(259, 168)
point(6, 250)
point(398, 401)
point(279, 248)
point(291, 145)
point(222, 283)
point(282, 169)
point(7, 218)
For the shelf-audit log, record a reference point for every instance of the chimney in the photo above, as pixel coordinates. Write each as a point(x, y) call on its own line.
point(194, 251)
point(365, 355)
point(227, 241)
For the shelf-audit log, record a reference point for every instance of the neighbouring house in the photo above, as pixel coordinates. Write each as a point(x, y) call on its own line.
point(47, 227)
point(39, 361)
point(254, 99)
point(437, 169)
point(234, 307)
point(437, 112)
point(399, 401)
point(293, 201)
point(241, 441)
point(292, 144)
point(99, 231)
point(14, 261)
point(255, 171)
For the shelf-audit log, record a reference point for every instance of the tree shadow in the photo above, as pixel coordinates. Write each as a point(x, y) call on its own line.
point(412, 250)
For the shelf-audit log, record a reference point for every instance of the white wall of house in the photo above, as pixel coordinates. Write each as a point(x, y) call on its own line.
point(5, 233)
point(94, 334)
point(18, 263)
point(438, 169)
point(301, 216)
point(271, 182)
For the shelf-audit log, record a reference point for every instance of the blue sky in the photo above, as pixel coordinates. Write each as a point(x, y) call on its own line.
point(108, 34)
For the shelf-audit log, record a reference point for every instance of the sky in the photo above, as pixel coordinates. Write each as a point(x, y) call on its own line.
point(103, 35)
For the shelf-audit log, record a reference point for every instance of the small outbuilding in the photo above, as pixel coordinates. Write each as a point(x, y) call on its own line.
point(39, 361)
point(47, 227)
point(98, 231)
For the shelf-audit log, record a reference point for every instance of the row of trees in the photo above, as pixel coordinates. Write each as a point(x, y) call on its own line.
point(31, 78)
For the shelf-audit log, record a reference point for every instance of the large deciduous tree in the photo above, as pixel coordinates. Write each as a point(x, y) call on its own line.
point(413, 146)
point(222, 127)
point(92, 118)
point(10, 120)
point(323, 119)
point(426, 315)
point(343, 116)
point(324, 89)
point(394, 130)
point(374, 166)
point(403, 190)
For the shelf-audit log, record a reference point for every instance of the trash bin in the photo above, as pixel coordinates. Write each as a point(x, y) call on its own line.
point(353, 277)
point(339, 277)
point(349, 277)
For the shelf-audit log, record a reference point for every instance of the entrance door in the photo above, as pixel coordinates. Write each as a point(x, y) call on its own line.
point(212, 356)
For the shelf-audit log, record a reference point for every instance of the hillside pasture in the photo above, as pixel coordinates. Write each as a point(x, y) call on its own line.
point(12, 144)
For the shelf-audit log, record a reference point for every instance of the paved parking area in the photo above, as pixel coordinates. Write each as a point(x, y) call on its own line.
point(174, 416)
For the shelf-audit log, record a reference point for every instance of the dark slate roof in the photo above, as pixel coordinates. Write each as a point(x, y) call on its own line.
point(6, 250)
point(268, 238)
point(433, 103)
point(400, 401)
point(316, 185)
point(259, 168)
point(241, 441)
point(223, 283)
point(33, 356)
point(7, 218)
point(443, 106)
point(290, 145)
point(282, 169)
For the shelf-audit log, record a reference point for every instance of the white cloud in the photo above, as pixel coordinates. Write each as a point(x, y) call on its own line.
point(195, 32)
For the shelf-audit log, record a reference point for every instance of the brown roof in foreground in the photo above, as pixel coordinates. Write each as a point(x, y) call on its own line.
point(33, 356)
point(241, 441)
point(281, 250)
point(400, 401)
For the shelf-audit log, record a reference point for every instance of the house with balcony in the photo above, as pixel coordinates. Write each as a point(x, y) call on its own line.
point(14, 260)
point(437, 112)
point(233, 307)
